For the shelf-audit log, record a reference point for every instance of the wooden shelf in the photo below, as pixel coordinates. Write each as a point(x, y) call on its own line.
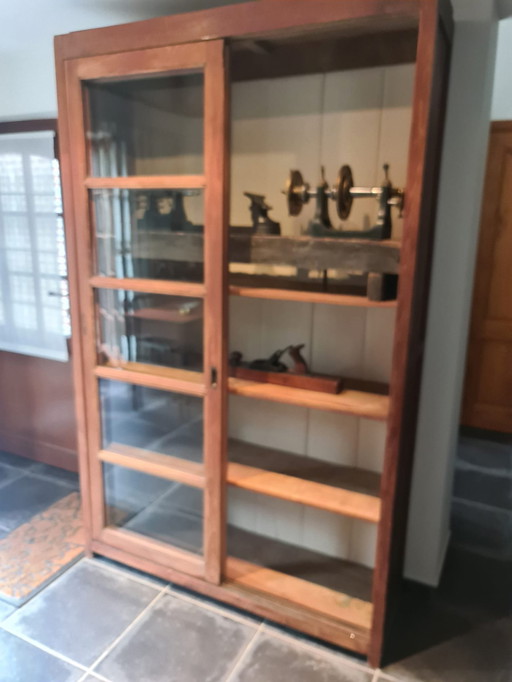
point(342, 490)
point(334, 587)
point(356, 402)
point(309, 297)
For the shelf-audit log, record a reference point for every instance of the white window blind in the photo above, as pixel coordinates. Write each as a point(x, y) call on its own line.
point(34, 303)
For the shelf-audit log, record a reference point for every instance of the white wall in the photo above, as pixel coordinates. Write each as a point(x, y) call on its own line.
point(458, 219)
point(502, 95)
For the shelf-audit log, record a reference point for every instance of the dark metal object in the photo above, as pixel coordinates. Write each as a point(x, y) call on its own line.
point(300, 366)
point(261, 222)
point(343, 194)
point(271, 364)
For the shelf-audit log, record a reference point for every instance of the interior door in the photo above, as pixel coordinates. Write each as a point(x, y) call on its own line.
point(147, 133)
point(488, 389)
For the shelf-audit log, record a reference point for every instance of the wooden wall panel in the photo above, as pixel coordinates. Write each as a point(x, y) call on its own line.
point(37, 418)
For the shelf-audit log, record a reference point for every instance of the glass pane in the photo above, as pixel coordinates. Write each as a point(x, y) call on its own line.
point(154, 507)
point(147, 126)
point(150, 328)
point(149, 233)
point(149, 419)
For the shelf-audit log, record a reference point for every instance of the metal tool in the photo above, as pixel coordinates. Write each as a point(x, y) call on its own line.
point(261, 222)
point(343, 193)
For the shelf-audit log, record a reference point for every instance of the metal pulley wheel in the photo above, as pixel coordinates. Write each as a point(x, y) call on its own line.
point(342, 192)
point(296, 192)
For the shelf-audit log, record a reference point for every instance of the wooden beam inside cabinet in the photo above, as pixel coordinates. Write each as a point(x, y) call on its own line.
point(302, 252)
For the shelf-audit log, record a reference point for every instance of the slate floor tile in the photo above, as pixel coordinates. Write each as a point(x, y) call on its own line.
point(483, 655)
point(8, 473)
point(27, 496)
point(58, 474)
point(272, 658)
point(177, 642)
point(15, 461)
point(22, 662)
point(82, 612)
point(6, 610)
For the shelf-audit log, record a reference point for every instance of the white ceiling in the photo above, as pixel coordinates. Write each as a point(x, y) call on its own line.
point(29, 24)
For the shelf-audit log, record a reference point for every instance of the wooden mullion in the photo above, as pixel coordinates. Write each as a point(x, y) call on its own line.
point(75, 115)
point(216, 159)
point(154, 550)
point(73, 253)
point(155, 464)
point(147, 182)
point(151, 376)
point(149, 286)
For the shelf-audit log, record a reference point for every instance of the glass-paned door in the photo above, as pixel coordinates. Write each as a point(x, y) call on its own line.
point(148, 139)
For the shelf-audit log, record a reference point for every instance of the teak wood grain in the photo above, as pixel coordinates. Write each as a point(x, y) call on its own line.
point(148, 182)
point(358, 403)
point(308, 297)
point(345, 502)
point(149, 286)
point(352, 611)
point(152, 376)
point(155, 464)
point(429, 105)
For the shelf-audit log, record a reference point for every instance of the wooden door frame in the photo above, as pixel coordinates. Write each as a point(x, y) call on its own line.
point(209, 57)
point(484, 247)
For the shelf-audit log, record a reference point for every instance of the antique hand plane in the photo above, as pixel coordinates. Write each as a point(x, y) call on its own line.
point(272, 370)
point(343, 194)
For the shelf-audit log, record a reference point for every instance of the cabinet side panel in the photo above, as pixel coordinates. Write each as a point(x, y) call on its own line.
point(424, 161)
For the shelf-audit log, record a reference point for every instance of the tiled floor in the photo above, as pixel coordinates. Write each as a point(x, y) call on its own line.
point(101, 621)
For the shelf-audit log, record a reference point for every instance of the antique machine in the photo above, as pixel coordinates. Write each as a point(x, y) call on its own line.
point(298, 192)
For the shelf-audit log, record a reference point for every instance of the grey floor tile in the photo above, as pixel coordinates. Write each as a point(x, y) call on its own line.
point(60, 475)
point(22, 662)
point(6, 610)
point(177, 642)
point(8, 473)
point(272, 658)
point(82, 612)
point(27, 496)
point(483, 655)
point(15, 461)
point(129, 571)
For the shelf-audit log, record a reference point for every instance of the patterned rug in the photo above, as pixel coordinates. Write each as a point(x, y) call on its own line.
point(36, 552)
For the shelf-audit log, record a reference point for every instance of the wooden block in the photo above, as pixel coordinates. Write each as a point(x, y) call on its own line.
point(310, 382)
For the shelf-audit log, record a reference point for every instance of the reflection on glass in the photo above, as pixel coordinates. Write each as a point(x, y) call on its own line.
point(154, 507)
point(149, 419)
point(150, 328)
point(149, 233)
point(147, 126)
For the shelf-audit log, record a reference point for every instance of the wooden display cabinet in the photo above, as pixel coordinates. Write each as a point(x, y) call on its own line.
point(146, 122)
